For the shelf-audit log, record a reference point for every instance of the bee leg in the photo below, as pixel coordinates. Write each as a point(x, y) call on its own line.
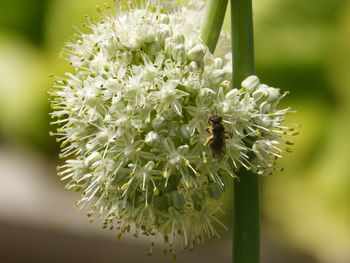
point(208, 141)
point(208, 129)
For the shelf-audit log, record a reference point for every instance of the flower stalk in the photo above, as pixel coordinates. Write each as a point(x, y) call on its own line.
point(246, 221)
point(212, 22)
point(246, 218)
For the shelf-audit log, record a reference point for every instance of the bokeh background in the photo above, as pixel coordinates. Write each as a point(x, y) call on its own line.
point(301, 46)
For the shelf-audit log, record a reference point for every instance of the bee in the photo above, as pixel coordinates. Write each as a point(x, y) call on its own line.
point(217, 131)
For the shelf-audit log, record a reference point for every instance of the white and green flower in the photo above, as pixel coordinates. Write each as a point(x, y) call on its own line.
point(132, 122)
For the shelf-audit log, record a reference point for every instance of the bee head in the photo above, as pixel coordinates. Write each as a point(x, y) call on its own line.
point(215, 119)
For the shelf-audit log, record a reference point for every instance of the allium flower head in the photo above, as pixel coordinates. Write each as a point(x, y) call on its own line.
point(133, 120)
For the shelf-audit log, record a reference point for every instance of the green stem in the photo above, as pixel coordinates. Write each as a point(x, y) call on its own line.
point(242, 41)
point(212, 22)
point(246, 224)
point(246, 221)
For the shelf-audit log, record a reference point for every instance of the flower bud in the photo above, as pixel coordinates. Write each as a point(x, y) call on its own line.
point(192, 84)
point(163, 33)
point(169, 46)
point(152, 138)
point(266, 93)
point(179, 38)
point(103, 137)
point(164, 19)
point(265, 121)
point(215, 191)
point(226, 85)
point(251, 83)
point(217, 76)
point(261, 92)
point(187, 131)
point(179, 53)
point(274, 95)
point(218, 63)
point(92, 159)
point(232, 94)
point(193, 66)
point(196, 53)
point(176, 199)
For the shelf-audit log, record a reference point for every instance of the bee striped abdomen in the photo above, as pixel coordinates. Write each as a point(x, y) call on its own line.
point(216, 141)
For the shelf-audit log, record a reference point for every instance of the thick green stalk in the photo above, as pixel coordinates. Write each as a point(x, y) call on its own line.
point(246, 225)
point(246, 222)
point(246, 219)
point(242, 41)
point(212, 22)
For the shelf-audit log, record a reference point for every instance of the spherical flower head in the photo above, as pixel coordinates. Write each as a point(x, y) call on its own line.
point(134, 125)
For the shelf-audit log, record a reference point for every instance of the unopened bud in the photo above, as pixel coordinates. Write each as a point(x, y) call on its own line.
point(179, 53)
point(169, 46)
point(217, 76)
point(179, 38)
point(218, 63)
point(163, 19)
point(163, 33)
point(251, 83)
point(196, 53)
point(92, 158)
point(152, 138)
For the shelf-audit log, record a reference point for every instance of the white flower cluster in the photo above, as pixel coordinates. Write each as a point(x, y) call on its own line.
point(132, 124)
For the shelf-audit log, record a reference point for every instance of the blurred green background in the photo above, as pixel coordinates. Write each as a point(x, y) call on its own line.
point(301, 46)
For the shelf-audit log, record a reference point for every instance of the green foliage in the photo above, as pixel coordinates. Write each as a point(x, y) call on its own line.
point(23, 103)
point(25, 17)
